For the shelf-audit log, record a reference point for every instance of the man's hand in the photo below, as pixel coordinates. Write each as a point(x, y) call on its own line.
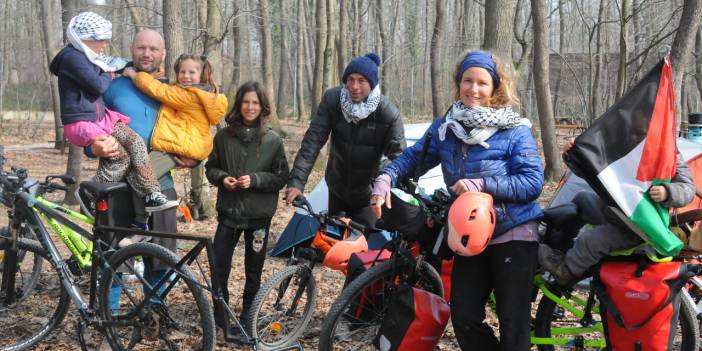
point(244, 182)
point(568, 145)
point(377, 202)
point(291, 194)
point(184, 162)
point(105, 146)
point(229, 183)
point(658, 193)
point(159, 73)
point(129, 72)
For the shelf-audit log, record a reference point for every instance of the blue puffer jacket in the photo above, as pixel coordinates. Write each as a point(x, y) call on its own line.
point(511, 170)
point(81, 85)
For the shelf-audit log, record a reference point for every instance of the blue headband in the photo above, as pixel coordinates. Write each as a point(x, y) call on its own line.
point(483, 60)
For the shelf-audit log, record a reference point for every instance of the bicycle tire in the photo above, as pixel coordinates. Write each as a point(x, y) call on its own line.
point(154, 325)
point(32, 317)
point(284, 285)
point(384, 275)
point(25, 233)
point(687, 336)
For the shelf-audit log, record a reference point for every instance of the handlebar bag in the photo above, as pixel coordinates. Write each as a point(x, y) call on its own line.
point(640, 303)
point(406, 216)
point(415, 320)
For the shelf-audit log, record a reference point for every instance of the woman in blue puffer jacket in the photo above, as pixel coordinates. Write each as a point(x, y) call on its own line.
point(482, 145)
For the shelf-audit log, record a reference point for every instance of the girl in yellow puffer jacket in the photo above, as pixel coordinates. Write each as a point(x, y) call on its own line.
point(188, 108)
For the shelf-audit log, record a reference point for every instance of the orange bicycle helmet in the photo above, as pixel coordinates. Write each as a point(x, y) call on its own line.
point(471, 221)
point(323, 242)
point(338, 256)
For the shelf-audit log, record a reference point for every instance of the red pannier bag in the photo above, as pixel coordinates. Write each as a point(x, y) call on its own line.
point(415, 320)
point(360, 262)
point(640, 303)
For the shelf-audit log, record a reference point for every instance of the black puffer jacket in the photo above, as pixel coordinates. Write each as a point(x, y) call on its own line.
point(356, 149)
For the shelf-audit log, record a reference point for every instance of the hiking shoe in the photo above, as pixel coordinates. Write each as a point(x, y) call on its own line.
point(553, 261)
point(156, 201)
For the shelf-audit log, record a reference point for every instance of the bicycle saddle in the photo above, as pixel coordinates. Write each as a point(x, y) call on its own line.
point(102, 190)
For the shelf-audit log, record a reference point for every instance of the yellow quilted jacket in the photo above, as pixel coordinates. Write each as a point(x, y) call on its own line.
point(184, 120)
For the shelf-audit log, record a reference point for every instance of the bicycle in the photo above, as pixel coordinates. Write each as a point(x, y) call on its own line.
point(284, 305)
point(127, 302)
point(568, 318)
point(355, 317)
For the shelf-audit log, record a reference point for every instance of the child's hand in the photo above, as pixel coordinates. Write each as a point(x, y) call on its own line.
point(244, 182)
point(129, 72)
point(658, 193)
point(229, 183)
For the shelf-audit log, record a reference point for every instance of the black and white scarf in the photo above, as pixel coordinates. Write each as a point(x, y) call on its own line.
point(482, 122)
point(356, 111)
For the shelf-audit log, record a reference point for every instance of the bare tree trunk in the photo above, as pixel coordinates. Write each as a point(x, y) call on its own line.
point(436, 38)
point(561, 51)
point(343, 36)
point(137, 19)
point(284, 60)
point(384, 43)
point(172, 33)
point(499, 19)
point(203, 204)
point(4, 56)
point(595, 87)
point(553, 168)
point(236, 55)
point(75, 153)
point(683, 43)
point(623, 47)
point(211, 47)
point(329, 46)
point(698, 61)
point(267, 62)
point(320, 40)
point(299, 81)
point(47, 13)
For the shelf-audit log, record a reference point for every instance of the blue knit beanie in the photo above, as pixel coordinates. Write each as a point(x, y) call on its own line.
point(366, 65)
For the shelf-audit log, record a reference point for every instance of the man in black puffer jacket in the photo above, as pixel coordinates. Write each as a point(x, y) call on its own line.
point(364, 125)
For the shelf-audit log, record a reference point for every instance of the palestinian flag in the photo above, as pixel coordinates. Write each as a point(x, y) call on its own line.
point(630, 148)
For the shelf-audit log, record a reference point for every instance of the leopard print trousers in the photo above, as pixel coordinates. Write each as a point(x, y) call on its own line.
point(132, 163)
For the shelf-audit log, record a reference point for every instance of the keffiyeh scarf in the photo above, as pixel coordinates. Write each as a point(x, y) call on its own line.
point(356, 111)
point(91, 26)
point(481, 122)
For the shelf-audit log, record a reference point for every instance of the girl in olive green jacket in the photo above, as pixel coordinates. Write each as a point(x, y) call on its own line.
point(249, 167)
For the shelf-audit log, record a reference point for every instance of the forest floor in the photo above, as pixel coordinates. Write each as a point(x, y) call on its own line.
point(42, 161)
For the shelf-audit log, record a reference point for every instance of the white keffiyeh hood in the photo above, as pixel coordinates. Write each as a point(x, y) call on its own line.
point(91, 26)
point(482, 122)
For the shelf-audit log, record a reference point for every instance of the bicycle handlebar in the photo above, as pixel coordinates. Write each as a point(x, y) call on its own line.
point(323, 217)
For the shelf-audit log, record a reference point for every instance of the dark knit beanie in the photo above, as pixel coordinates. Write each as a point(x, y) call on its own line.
point(366, 65)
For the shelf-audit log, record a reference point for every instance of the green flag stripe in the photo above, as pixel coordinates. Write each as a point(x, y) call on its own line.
point(653, 219)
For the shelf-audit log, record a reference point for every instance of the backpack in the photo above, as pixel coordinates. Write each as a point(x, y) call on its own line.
point(415, 320)
point(640, 303)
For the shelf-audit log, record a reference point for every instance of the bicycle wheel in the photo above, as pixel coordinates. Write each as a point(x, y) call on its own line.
point(549, 315)
point(30, 278)
point(178, 316)
point(283, 307)
point(33, 312)
point(355, 317)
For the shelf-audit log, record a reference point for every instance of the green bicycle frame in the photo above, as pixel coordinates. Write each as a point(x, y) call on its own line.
point(574, 305)
point(79, 246)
